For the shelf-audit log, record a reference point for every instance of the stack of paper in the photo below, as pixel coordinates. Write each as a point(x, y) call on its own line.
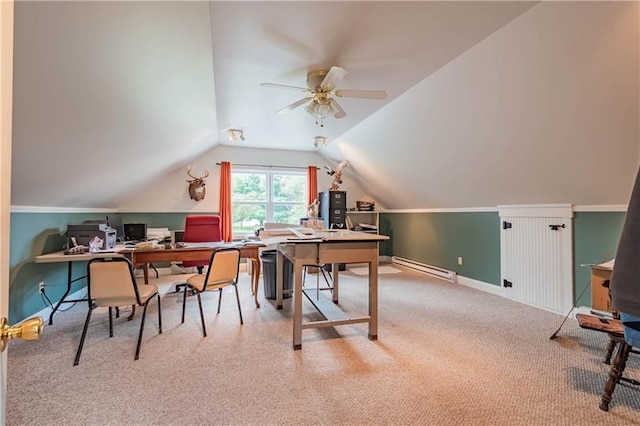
point(367, 226)
point(158, 233)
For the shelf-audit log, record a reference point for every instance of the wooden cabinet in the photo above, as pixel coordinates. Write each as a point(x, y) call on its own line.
point(365, 221)
point(600, 299)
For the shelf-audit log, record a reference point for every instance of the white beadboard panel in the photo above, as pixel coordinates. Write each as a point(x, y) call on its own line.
point(538, 261)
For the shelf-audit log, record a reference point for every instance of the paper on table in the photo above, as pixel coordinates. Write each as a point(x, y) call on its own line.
point(210, 244)
point(607, 265)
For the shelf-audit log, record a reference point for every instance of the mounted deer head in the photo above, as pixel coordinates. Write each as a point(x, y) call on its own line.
point(197, 185)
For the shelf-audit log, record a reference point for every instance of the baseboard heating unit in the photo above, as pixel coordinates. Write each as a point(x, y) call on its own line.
point(427, 269)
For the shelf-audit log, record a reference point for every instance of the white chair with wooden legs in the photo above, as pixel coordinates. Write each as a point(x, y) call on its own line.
point(222, 272)
point(112, 283)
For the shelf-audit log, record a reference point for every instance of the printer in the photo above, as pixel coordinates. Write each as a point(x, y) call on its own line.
point(86, 231)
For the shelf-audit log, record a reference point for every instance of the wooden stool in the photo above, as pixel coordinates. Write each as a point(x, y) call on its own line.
point(615, 330)
point(612, 342)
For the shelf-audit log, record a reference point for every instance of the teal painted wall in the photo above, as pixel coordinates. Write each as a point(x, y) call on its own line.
point(33, 234)
point(433, 238)
point(439, 238)
point(595, 240)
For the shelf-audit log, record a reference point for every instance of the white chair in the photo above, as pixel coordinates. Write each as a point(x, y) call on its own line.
point(111, 283)
point(222, 272)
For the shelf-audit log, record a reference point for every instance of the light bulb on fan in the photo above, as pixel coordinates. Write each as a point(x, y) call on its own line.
point(320, 109)
point(324, 108)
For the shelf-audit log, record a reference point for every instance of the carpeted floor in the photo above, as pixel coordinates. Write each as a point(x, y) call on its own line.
point(446, 355)
point(382, 269)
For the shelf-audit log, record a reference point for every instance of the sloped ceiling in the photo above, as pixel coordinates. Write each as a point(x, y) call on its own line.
point(489, 102)
point(384, 45)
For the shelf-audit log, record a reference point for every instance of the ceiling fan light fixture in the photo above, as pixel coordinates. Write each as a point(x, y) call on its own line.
point(320, 109)
point(324, 108)
point(235, 134)
point(322, 88)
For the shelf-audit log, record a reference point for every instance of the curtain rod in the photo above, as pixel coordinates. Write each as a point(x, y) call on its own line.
point(269, 167)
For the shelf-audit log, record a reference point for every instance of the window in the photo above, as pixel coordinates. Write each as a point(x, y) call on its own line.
point(259, 196)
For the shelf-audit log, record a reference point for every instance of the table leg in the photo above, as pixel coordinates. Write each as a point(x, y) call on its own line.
point(66, 293)
point(145, 270)
point(335, 281)
point(255, 279)
point(373, 299)
point(297, 306)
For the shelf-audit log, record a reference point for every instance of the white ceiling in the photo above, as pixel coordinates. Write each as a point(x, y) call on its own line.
point(489, 102)
point(383, 45)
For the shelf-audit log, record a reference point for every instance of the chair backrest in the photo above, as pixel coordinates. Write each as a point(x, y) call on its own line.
point(223, 266)
point(112, 282)
point(202, 229)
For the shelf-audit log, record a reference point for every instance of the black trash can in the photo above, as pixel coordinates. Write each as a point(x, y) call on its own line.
point(269, 271)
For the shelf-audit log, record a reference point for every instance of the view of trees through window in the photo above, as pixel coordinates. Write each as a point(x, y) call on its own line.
point(267, 196)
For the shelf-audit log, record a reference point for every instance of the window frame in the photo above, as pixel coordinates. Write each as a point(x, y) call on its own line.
point(269, 202)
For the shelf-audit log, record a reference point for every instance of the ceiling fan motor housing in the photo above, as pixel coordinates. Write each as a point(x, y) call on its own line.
point(315, 78)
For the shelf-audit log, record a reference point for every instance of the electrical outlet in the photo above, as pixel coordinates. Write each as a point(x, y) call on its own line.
point(459, 260)
point(41, 287)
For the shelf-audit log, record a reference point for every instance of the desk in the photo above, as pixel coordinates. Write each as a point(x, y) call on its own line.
point(146, 256)
point(331, 247)
point(58, 257)
point(600, 299)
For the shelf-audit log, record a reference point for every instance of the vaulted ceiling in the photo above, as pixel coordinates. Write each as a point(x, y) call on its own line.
point(488, 102)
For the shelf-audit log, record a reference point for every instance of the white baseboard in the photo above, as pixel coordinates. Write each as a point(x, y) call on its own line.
point(499, 291)
point(46, 312)
point(481, 285)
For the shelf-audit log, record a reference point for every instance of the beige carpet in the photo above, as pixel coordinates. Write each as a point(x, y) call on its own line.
point(382, 269)
point(446, 355)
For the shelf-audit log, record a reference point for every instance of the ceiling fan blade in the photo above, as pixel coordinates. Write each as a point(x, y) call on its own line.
point(338, 111)
point(333, 77)
point(368, 94)
point(295, 104)
point(304, 89)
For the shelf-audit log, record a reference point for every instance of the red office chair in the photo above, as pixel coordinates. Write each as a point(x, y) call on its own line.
point(201, 229)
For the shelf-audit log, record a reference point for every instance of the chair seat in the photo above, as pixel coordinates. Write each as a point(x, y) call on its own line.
point(607, 325)
point(146, 292)
point(197, 282)
point(616, 331)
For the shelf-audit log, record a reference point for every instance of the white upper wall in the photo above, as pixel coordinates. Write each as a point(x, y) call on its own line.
point(545, 110)
point(169, 193)
point(112, 100)
point(115, 92)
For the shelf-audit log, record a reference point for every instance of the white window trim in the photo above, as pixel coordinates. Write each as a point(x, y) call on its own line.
point(269, 202)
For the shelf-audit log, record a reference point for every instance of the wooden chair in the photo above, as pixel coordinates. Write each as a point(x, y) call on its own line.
point(112, 283)
point(222, 272)
point(614, 328)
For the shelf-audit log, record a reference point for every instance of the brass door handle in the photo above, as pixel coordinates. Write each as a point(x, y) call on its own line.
point(30, 329)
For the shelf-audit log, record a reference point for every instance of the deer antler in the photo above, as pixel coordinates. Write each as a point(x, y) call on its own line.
point(206, 174)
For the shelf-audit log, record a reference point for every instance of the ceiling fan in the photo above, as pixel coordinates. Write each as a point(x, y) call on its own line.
point(321, 87)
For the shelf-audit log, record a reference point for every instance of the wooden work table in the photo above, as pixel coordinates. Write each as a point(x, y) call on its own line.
point(249, 251)
point(321, 248)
